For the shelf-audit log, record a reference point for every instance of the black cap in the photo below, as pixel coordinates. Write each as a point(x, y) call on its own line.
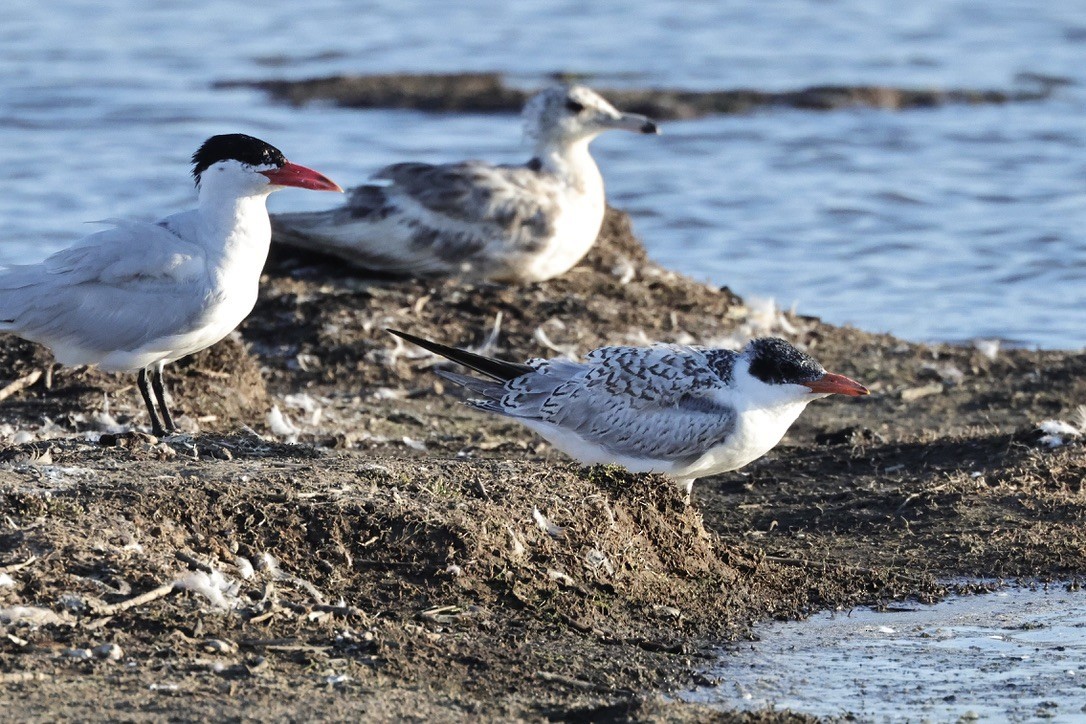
point(235, 147)
point(775, 362)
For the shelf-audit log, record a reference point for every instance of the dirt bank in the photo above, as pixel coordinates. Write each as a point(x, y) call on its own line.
point(406, 557)
point(491, 93)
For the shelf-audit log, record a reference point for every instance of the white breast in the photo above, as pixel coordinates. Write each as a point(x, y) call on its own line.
point(757, 432)
point(575, 231)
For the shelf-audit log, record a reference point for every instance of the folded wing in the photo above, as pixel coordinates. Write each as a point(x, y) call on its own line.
point(433, 218)
point(105, 292)
point(655, 402)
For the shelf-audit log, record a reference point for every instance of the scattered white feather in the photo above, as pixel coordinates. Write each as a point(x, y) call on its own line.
point(307, 362)
point(22, 437)
point(670, 611)
point(214, 586)
point(267, 562)
point(765, 317)
point(281, 425)
point(685, 338)
point(491, 341)
point(110, 652)
point(759, 317)
point(949, 374)
point(32, 615)
point(6, 580)
point(517, 547)
point(598, 560)
point(414, 444)
point(1057, 432)
point(567, 350)
point(72, 602)
point(1058, 427)
point(245, 568)
point(559, 576)
point(987, 347)
point(1052, 441)
point(105, 422)
point(220, 646)
point(1079, 418)
point(625, 271)
point(307, 404)
point(639, 338)
point(388, 393)
point(554, 531)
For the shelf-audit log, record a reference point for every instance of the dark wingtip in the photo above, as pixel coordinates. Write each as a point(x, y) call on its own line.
point(404, 335)
point(493, 368)
point(650, 127)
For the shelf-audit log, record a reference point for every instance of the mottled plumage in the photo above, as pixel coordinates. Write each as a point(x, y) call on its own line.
point(683, 411)
point(501, 222)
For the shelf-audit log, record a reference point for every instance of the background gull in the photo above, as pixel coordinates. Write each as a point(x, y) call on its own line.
point(522, 223)
point(686, 412)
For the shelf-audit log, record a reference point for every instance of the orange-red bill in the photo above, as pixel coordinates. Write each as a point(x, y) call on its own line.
point(831, 384)
point(291, 174)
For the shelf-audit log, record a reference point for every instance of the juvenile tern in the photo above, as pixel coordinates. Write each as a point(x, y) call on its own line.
point(685, 412)
point(523, 223)
point(140, 294)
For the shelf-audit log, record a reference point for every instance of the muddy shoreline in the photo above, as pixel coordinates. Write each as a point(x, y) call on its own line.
point(493, 93)
point(385, 552)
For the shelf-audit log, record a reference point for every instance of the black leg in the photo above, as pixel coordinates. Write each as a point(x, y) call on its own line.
point(159, 386)
point(156, 426)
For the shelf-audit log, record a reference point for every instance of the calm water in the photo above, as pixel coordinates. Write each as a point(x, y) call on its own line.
point(945, 224)
point(1017, 655)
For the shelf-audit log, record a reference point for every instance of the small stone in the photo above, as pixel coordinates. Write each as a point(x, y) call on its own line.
point(915, 393)
point(219, 646)
point(670, 611)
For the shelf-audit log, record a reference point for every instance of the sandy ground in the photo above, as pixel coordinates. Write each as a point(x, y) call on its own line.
point(375, 549)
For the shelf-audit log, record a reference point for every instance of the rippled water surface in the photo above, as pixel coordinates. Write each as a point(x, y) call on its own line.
point(1016, 655)
point(945, 224)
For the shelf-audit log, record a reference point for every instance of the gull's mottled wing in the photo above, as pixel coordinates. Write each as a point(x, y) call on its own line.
point(643, 402)
point(433, 218)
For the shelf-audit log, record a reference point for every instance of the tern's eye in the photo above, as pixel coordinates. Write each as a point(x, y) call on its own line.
point(574, 106)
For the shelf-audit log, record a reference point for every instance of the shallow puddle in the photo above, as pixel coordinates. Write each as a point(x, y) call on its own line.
point(1015, 655)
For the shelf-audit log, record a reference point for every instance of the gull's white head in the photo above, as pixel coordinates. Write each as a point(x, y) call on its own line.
point(567, 114)
point(234, 164)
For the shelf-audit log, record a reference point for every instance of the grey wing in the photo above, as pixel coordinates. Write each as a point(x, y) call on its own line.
point(654, 402)
point(111, 291)
point(433, 219)
point(514, 203)
point(475, 192)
